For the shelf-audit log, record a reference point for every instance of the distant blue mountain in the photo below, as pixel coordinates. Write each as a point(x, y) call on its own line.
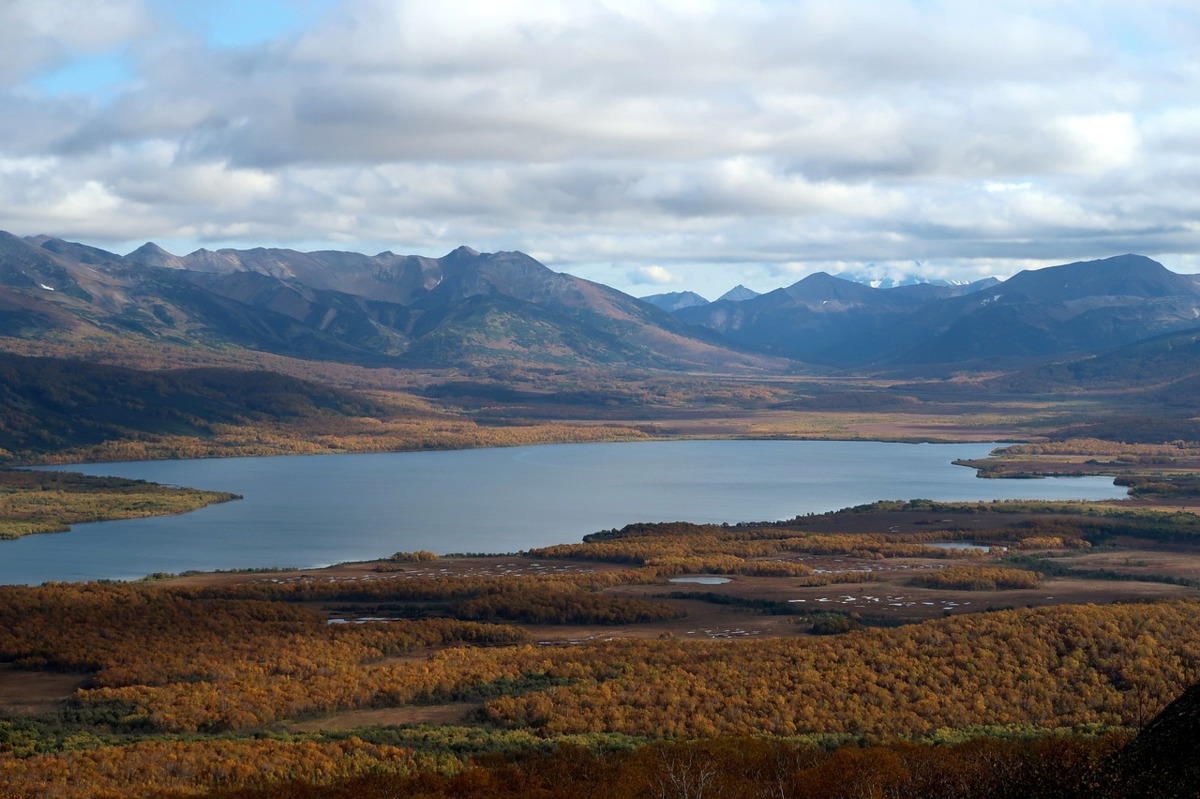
point(1075, 308)
point(675, 300)
point(738, 293)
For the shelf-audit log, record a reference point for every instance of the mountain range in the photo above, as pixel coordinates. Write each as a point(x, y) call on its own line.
point(466, 309)
point(678, 300)
point(469, 309)
point(1083, 307)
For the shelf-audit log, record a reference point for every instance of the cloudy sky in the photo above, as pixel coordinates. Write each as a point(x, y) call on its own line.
point(654, 145)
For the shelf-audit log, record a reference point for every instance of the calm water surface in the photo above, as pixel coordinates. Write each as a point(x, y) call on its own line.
point(308, 511)
point(701, 579)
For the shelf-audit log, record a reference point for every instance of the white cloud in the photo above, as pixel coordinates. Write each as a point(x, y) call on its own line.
point(710, 139)
point(1100, 142)
point(654, 275)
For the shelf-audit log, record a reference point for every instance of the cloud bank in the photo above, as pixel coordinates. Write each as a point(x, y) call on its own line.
point(697, 144)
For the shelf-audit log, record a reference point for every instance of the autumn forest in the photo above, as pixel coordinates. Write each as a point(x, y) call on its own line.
point(896, 649)
point(580, 668)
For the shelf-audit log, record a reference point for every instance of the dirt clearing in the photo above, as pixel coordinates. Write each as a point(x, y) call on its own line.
point(30, 692)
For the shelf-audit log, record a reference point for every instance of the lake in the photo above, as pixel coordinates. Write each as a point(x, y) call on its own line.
point(308, 511)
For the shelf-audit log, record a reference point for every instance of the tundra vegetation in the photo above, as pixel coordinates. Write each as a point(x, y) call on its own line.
point(580, 669)
point(845, 656)
point(48, 502)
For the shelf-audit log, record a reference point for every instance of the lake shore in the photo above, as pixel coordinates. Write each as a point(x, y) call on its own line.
point(886, 597)
point(321, 510)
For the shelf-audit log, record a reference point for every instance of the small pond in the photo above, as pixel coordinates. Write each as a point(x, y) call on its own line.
point(962, 545)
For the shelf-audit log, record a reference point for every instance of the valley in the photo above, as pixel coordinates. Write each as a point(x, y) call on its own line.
point(341, 351)
point(901, 648)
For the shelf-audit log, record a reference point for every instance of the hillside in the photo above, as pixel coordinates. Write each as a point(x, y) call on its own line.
point(1155, 365)
point(821, 319)
point(1162, 760)
point(48, 404)
point(466, 309)
point(482, 310)
point(1084, 307)
point(675, 300)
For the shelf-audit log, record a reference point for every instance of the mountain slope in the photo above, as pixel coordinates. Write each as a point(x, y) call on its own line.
point(465, 309)
point(675, 300)
point(1120, 276)
point(1081, 307)
point(1075, 308)
point(820, 319)
point(1164, 759)
point(51, 403)
point(738, 293)
point(469, 309)
point(1157, 364)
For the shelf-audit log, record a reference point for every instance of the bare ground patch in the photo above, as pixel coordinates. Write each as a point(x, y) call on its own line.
point(27, 692)
point(1148, 562)
point(457, 713)
point(385, 570)
point(889, 599)
point(885, 596)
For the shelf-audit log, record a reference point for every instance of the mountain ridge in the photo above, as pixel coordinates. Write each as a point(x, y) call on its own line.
point(465, 309)
point(471, 309)
point(1083, 306)
point(675, 300)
